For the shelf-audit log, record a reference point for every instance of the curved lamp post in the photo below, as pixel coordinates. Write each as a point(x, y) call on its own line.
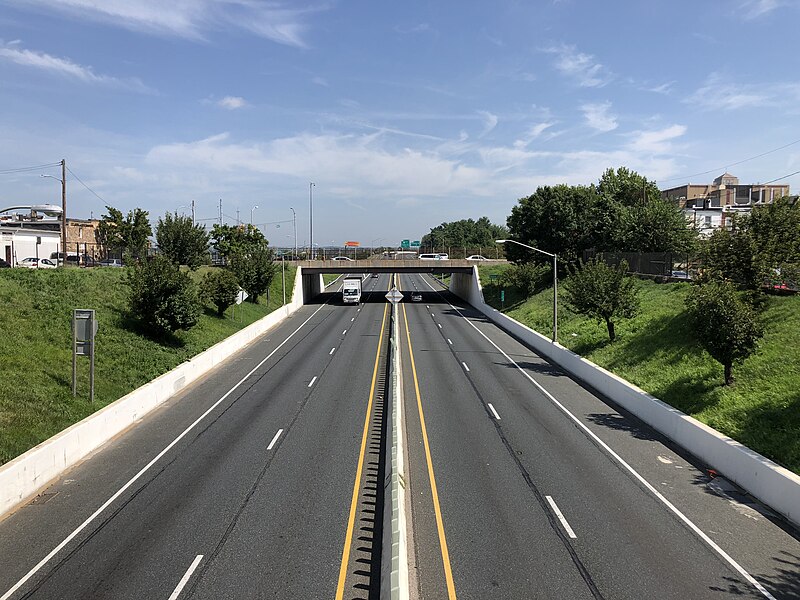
point(555, 280)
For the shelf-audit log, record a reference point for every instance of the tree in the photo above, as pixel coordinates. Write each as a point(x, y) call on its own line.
point(732, 255)
point(627, 188)
point(183, 242)
point(528, 278)
point(775, 229)
point(727, 327)
point(229, 240)
point(557, 219)
point(465, 234)
point(602, 292)
point(254, 269)
point(127, 234)
point(220, 287)
point(163, 299)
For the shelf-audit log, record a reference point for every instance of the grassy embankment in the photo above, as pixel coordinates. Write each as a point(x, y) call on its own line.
point(658, 352)
point(36, 366)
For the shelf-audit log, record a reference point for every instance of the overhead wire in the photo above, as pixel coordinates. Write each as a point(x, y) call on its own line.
point(28, 169)
point(86, 186)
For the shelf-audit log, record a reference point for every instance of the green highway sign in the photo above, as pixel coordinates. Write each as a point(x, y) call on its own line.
point(405, 244)
point(415, 244)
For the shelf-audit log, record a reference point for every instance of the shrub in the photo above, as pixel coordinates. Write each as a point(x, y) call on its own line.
point(162, 299)
point(528, 278)
point(183, 242)
point(727, 327)
point(254, 269)
point(219, 287)
point(602, 292)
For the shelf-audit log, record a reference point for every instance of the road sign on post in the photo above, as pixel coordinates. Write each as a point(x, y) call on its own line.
point(405, 244)
point(394, 296)
point(415, 244)
point(84, 329)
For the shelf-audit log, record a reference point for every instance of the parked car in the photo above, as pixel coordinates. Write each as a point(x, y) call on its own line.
point(342, 258)
point(416, 296)
point(4, 264)
point(37, 263)
point(110, 262)
point(477, 257)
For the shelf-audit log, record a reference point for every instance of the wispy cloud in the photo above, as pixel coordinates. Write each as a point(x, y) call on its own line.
point(232, 102)
point(752, 9)
point(192, 19)
point(67, 68)
point(579, 66)
point(598, 117)
point(489, 122)
point(719, 93)
point(656, 141)
point(664, 88)
point(418, 28)
point(320, 81)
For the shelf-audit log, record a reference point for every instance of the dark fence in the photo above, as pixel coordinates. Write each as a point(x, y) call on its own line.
point(659, 264)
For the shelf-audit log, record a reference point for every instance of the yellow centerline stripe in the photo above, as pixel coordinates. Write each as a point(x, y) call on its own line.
point(448, 573)
point(357, 485)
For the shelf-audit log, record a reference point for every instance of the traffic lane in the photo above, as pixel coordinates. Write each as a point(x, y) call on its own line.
point(91, 483)
point(500, 545)
point(600, 504)
point(289, 539)
point(762, 544)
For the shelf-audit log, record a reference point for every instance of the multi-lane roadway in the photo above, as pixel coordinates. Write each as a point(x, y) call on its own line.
point(264, 480)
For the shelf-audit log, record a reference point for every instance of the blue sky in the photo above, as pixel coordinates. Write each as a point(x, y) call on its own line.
point(404, 114)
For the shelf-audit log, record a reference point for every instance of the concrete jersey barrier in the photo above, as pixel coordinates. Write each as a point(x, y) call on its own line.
point(772, 484)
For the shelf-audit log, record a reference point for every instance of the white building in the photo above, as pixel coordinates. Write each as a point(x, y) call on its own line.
point(17, 243)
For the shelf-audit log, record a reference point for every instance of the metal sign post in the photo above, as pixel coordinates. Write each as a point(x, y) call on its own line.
point(84, 330)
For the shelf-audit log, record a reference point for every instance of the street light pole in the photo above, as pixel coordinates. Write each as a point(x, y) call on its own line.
point(555, 281)
point(251, 214)
point(63, 181)
point(294, 226)
point(311, 219)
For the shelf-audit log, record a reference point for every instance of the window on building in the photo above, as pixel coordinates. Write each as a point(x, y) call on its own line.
point(707, 221)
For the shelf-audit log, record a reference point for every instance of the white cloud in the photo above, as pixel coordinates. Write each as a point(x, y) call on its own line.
point(489, 121)
point(598, 117)
point(66, 68)
point(721, 94)
point(656, 141)
point(232, 102)
point(753, 9)
point(320, 81)
point(190, 19)
point(419, 28)
point(579, 66)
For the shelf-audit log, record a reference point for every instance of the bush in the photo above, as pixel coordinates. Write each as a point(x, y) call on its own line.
point(162, 299)
point(219, 287)
point(183, 242)
point(528, 278)
point(254, 269)
point(727, 326)
point(602, 292)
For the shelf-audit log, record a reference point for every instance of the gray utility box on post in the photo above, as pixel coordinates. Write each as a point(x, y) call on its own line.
point(84, 329)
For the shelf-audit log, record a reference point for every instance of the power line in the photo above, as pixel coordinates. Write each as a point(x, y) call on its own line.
point(686, 177)
point(28, 169)
point(779, 178)
point(86, 186)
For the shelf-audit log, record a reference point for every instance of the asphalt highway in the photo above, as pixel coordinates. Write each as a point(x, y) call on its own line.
point(513, 498)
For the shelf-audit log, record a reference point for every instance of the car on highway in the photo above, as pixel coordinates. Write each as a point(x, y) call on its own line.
point(37, 263)
point(342, 258)
point(416, 296)
point(477, 257)
point(375, 275)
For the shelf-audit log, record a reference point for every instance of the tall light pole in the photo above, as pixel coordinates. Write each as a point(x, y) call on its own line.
point(251, 214)
point(555, 281)
point(63, 181)
point(294, 226)
point(311, 185)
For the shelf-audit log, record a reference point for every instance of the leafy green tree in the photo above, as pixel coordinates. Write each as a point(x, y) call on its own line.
point(775, 229)
point(125, 234)
point(602, 292)
point(229, 239)
point(528, 278)
point(732, 255)
point(464, 234)
point(162, 299)
point(658, 226)
point(625, 187)
point(558, 219)
point(254, 269)
point(183, 242)
point(727, 327)
point(220, 287)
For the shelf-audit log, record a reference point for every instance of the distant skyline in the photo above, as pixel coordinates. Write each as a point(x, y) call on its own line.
point(404, 115)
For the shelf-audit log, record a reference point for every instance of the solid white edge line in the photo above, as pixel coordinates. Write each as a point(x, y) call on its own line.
point(494, 412)
point(353, 319)
point(686, 520)
point(275, 439)
point(185, 579)
point(449, 341)
point(561, 518)
point(147, 467)
point(440, 325)
point(344, 332)
point(466, 368)
point(332, 351)
point(312, 381)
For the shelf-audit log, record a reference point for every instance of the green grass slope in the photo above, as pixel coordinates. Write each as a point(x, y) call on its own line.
point(658, 352)
point(35, 363)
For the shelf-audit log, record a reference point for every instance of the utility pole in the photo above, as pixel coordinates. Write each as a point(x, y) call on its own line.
point(192, 212)
point(237, 217)
point(63, 210)
point(294, 226)
point(220, 212)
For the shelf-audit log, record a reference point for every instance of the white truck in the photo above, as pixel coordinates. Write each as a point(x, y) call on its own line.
point(351, 290)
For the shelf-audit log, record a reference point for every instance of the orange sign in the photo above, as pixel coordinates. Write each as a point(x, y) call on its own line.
point(352, 244)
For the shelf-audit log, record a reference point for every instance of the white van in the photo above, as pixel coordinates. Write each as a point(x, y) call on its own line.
point(430, 256)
